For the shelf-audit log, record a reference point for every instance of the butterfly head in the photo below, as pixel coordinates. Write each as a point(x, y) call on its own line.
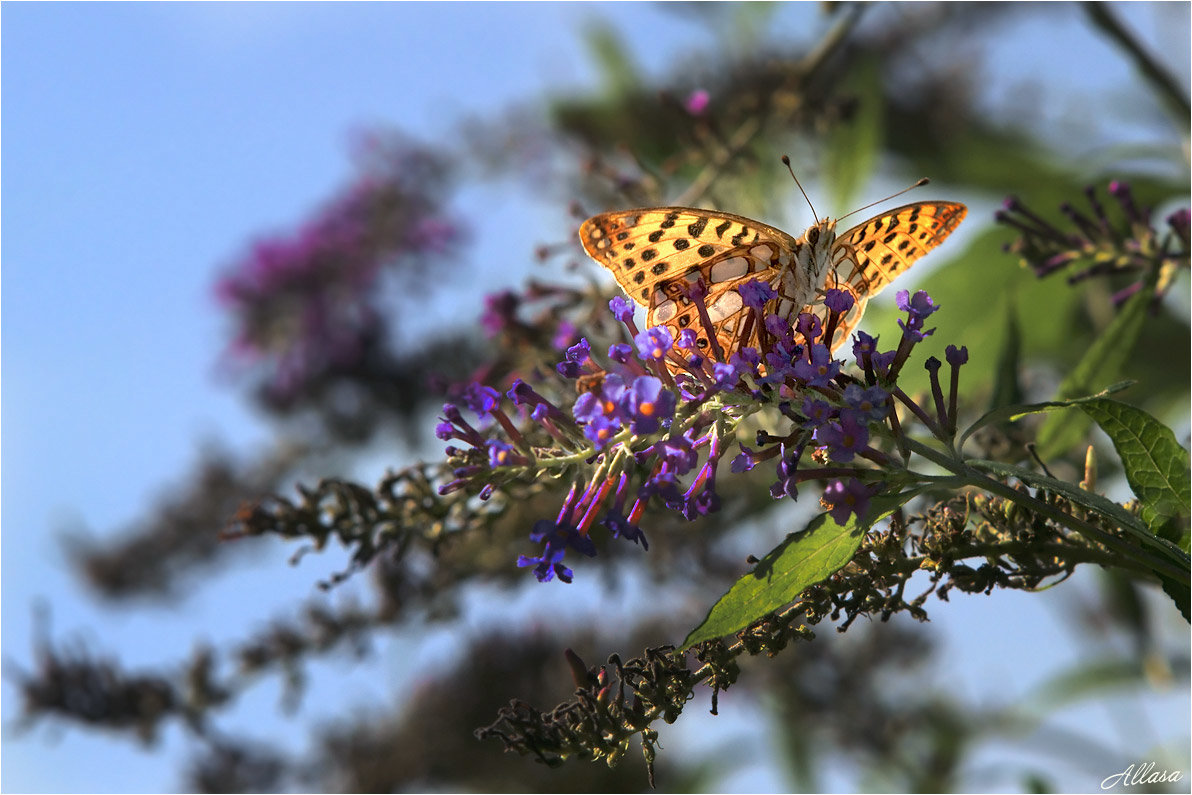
point(815, 257)
point(822, 234)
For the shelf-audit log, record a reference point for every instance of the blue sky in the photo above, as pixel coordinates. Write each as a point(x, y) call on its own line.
point(144, 145)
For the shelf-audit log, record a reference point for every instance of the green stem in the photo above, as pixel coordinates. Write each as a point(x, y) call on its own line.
point(1090, 531)
point(1160, 79)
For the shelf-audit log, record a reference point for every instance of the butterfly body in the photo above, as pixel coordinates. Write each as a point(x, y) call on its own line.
point(657, 253)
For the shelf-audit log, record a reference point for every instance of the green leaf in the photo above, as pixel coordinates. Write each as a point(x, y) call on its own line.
point(800, 561)
point(1006, 389)
point(1014, 412)
point(1179, 594)
point(1156, 466)
point(1085, 681)
point(977, 288)
point(1102, 363)
point(619, 71)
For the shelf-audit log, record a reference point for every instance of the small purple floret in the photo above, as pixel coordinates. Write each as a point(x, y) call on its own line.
point(839, 300)
point(756, 293)
point(821, 370)
point(654, 343)
point(847, 498)
point(649, 404)
point(621, 308)
point(844, 438)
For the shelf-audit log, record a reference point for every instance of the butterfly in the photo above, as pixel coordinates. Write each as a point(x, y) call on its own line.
point(658, 253)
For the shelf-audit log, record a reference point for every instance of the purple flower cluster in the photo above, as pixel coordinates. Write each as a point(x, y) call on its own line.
point(918, 309)
point(644, 404)
point(846, 498)
point(653, 420)
point(1127, 243)
point(307, 302)
point(556, 538)
point(500, 312)
point(836, 414)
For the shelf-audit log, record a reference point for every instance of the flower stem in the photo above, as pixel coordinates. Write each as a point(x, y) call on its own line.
point(972, 477)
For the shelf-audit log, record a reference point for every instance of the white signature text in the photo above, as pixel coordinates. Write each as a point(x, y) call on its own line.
point(1134, 775)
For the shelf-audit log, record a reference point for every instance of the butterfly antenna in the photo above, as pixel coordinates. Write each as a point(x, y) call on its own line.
point(918, 184)
point(787, 162)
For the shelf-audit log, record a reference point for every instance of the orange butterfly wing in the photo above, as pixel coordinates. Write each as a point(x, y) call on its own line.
point(872, 254)
point(656, 253)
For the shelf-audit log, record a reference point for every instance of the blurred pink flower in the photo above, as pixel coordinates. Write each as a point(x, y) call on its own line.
point(697, 102)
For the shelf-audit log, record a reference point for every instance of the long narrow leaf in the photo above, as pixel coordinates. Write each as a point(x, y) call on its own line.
point(1102, 363)
point(1010, 413)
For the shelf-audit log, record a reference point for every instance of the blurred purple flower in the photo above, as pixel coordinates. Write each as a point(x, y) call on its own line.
point(620, 352)
point(499, 453)
point(872, 404)
point(744, 462)
point(697, 102)
point(564, 335)
point(576, 355)
point(816, 411)
point(500, 311)
point(820, 370)
point(678, 453)
point(839, 300)
point(307, 304)
point(620, 527)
